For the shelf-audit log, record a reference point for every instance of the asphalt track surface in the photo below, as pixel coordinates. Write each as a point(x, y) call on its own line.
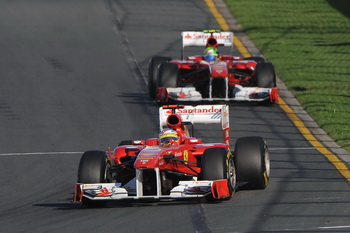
point(73, 79)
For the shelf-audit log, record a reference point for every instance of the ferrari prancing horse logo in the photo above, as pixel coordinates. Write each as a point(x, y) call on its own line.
point(186, 156)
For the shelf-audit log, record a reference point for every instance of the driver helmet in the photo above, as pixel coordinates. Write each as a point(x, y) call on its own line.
point(211, 54)
point(168, 137)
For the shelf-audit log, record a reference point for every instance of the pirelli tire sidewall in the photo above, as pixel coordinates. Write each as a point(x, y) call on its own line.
point(252, 162)
point(93, 167)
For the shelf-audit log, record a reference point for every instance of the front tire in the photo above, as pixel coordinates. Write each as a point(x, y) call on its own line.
point(217, 164)
point(168, 75)
point(252, 162)
point(265, 75)
point(125, 143)
point(152, 74)
point(256, 59)
point(94, 168)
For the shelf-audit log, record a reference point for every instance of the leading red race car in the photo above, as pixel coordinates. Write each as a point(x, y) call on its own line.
point(174, 165)
point(211, 76)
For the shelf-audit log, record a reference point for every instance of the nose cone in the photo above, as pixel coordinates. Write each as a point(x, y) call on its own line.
point(219, 70)
point(148, 158)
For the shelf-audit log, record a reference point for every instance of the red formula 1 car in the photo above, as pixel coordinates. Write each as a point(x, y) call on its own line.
point(208, 78)
point(175, 165)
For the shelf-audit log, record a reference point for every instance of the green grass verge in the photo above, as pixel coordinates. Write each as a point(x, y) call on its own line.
point(308, 41)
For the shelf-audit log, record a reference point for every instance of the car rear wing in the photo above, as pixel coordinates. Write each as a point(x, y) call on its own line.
point(199, 38)
point(201, 114)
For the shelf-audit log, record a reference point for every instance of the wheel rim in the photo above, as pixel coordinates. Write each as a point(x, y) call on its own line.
point(231, 174)
point(107, 175)
point(267, 162)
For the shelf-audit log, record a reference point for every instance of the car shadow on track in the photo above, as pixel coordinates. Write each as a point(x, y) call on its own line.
point(343, 6)
point(134, 98)
point(68, 204)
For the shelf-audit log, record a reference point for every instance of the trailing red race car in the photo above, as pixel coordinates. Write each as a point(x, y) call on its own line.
point(211, 76)
point(174, 165)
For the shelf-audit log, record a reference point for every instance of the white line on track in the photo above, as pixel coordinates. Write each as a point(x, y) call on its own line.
point(313, 229)
point(334, 227)
point(291, 148)
point(41, 153)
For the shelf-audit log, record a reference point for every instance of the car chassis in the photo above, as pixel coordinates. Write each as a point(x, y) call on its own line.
point(143, 169)
point(193, 79)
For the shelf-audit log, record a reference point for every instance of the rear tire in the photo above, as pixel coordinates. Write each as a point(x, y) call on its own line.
point(252, 162)
point(217, 164)
point(152, 74)
point(265, 75)
point(125, 143)
point(93, 168)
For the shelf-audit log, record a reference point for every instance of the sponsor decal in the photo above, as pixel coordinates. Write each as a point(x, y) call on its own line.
point(226, 125)
point(92, 186)
point(104, 192)
point(147, 154)
point(143, 161)
point(218, 35)
point(202, 183)
point(211, 109)
point(182, 95)
point(153, 148)
point(197, 190)
point(197, 36)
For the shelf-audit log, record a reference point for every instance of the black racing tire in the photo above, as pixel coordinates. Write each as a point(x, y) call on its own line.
point(265, 75)
point(152, 74)
point(125, 142)
point(217, 164)
point(93, 168)
point(252, 162)
point(168, 75)
point(256, 59)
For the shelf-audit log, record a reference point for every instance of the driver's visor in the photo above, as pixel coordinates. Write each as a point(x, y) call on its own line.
point(210, 57)
point(167, 138)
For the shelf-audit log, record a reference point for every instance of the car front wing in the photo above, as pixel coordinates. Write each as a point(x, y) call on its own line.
point(134, 190)
point(239, 94)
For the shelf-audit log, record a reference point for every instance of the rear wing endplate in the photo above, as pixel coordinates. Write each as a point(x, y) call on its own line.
point(201, 114)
